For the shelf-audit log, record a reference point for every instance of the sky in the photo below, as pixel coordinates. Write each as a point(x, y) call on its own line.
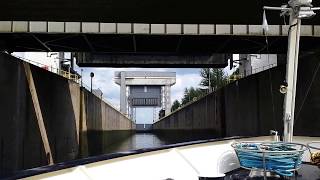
point(103, 79)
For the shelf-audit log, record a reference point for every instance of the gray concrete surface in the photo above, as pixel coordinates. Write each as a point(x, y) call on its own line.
point(205, 114)
point(66, 123)
point(252, 106)
point(100, 116)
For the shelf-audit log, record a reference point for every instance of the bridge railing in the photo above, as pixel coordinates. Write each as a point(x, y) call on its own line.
point(66, 74)
point(246, 73)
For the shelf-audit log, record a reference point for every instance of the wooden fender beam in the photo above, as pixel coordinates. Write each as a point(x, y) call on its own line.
point(38, 112)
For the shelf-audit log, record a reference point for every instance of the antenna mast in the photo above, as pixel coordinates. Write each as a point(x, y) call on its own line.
point(296, 10)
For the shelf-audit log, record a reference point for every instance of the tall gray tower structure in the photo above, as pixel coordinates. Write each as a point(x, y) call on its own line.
point(144, 89)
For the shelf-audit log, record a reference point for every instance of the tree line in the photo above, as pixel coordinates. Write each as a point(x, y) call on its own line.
point(211, 80)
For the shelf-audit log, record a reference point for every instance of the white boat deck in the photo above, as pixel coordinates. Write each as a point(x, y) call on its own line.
point(190, 162)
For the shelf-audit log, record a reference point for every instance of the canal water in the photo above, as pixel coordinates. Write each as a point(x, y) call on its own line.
point(106, 142)
point(97, 143)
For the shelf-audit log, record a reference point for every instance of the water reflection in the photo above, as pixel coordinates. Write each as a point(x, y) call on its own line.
point(139, 141)
point(105, 142)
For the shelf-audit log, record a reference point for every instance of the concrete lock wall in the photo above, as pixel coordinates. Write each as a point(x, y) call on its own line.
point(253, 106)
point(101, 116)
point(66, 116)
point(200, 115)
point(204, 114)
point(105, 126)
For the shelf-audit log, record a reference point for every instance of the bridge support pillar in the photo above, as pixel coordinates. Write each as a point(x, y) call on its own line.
point(123, 93)
point(167, 99)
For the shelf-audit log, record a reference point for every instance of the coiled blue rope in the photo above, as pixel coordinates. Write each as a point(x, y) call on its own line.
point(281, 158)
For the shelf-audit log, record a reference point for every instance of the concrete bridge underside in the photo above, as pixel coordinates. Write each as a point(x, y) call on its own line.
point(149, 33)
point(141, 11)
point(149, 38)
point(155, 50)
point(146, 33)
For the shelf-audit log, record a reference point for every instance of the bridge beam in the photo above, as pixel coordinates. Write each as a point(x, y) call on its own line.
point(150, 60)
point(156, 11)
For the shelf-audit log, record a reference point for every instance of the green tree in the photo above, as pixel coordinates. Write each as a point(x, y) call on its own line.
point(218, 78)
point(186, 97)
point(176, 104)
point(190, 94)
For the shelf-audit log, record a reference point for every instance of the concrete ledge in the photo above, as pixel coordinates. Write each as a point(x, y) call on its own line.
point(56, 27)
point(108, 28)
point(274, 30)
point(207, 29)
point(223, 29)
point(255, 30)
point(140, 28)
point(158, 29)
point(124, 28)
point(316, 30)
point(285, 30)
point(5, 26)
point(240, 30)
point(190, 29)
point(174, 29)
point(73, 27)
point(90, 27)
point(306, 30)
point(20, 26)
point(38, 26)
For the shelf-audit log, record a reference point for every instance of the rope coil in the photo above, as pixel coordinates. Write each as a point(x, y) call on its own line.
point(281, 158)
